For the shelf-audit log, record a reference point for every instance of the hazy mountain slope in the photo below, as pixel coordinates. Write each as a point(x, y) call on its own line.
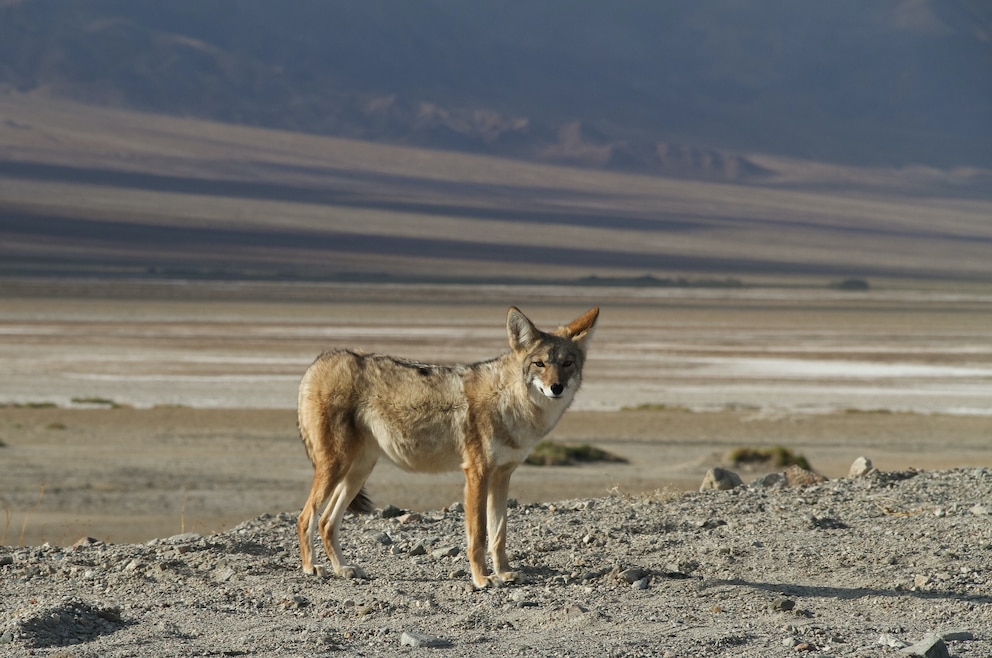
point(90, 190)
point(668, 87)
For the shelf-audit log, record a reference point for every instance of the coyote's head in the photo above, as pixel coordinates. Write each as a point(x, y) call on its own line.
point(552, 362)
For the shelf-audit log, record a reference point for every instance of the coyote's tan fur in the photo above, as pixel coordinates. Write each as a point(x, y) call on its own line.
point(483, 418)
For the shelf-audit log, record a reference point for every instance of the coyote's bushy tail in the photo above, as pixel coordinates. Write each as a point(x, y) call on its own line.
point(362, 504)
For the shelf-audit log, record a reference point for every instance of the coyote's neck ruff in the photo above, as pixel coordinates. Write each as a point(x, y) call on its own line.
point(483, 418)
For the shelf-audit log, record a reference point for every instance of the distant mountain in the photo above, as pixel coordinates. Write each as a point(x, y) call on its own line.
point(684, 88)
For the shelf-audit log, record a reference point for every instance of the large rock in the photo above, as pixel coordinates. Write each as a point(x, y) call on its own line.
point(720, 479)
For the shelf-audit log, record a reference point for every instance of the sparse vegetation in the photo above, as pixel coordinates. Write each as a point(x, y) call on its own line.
point(654, 406)
point(98, 401)
point(28, 405)
point(552, 453)
point(56, 425)
point(852, 284)
point(778, 456)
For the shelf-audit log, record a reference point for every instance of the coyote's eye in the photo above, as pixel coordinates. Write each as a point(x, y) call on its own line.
point(566, 364)
point(539, 364)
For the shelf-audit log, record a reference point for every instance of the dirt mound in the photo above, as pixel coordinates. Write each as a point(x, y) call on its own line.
point(747, 572)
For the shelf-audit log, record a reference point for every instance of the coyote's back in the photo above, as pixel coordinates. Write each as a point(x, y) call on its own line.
point(483, 418)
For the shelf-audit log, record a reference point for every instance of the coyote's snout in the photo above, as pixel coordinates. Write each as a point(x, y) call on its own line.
point(483, 418)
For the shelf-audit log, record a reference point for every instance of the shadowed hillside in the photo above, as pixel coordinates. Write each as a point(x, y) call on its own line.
point(108, 192)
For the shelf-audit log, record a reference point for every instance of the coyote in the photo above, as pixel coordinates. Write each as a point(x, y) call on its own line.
point(483, 418)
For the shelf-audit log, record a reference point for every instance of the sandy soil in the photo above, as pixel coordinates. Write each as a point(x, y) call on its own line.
point(133, 474)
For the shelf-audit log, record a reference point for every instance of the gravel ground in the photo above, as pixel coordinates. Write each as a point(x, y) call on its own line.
point(851, 567)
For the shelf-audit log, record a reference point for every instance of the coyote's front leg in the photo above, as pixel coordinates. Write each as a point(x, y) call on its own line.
point(499, 489)
point(476, 486)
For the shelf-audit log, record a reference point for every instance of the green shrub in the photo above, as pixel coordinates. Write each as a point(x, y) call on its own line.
point(778, 456)
point(552, 453)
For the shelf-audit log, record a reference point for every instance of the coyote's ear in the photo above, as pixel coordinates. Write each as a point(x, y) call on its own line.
point(521, 331)
point(580, 329)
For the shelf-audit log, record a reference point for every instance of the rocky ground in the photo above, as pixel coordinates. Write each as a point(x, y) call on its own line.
point(861, 566)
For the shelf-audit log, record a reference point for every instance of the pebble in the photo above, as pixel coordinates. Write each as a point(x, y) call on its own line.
point(633, 575)
point(391, 512)
point(417, 639)
point(440, 553)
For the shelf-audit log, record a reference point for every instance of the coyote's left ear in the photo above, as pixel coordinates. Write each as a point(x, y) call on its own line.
point(521, 331)
point(580, 329)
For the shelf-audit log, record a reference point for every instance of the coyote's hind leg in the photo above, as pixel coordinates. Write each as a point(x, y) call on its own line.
point(306, 525)
point(330, 521)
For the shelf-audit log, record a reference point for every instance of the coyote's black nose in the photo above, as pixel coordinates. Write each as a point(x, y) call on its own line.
point(557, 389)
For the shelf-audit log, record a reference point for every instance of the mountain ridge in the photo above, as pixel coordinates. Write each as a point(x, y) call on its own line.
point(894, 83)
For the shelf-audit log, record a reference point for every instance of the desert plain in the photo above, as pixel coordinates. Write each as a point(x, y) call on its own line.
point(131, 410)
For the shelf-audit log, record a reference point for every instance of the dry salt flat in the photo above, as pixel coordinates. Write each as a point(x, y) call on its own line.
point(885, 564)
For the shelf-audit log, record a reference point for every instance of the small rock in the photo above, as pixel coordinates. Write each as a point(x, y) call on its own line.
point(83, 542)
point(930, 646)
point(981, 510)
point(450, 551)
point(783, 604)
point(827, 523)
point(418, 549)
point(892, 641)
point(223, 573)
point(409, 517)
point(805, 646)
point(6, 559)
point(641, 583)
point(861, 466)
point(383, 538)
point(456, 507)
point(720, 479)
point(769, 481)
point(957, 636)
point(796, 476)
point(789, 642)
point(633, 575)
point(391, 512)
point(709, 524)
point(418, 639)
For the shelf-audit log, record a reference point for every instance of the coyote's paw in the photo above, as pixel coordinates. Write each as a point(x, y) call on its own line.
point(507, 577)
point(496, 580)
point(315, 570)
point(351, 571)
